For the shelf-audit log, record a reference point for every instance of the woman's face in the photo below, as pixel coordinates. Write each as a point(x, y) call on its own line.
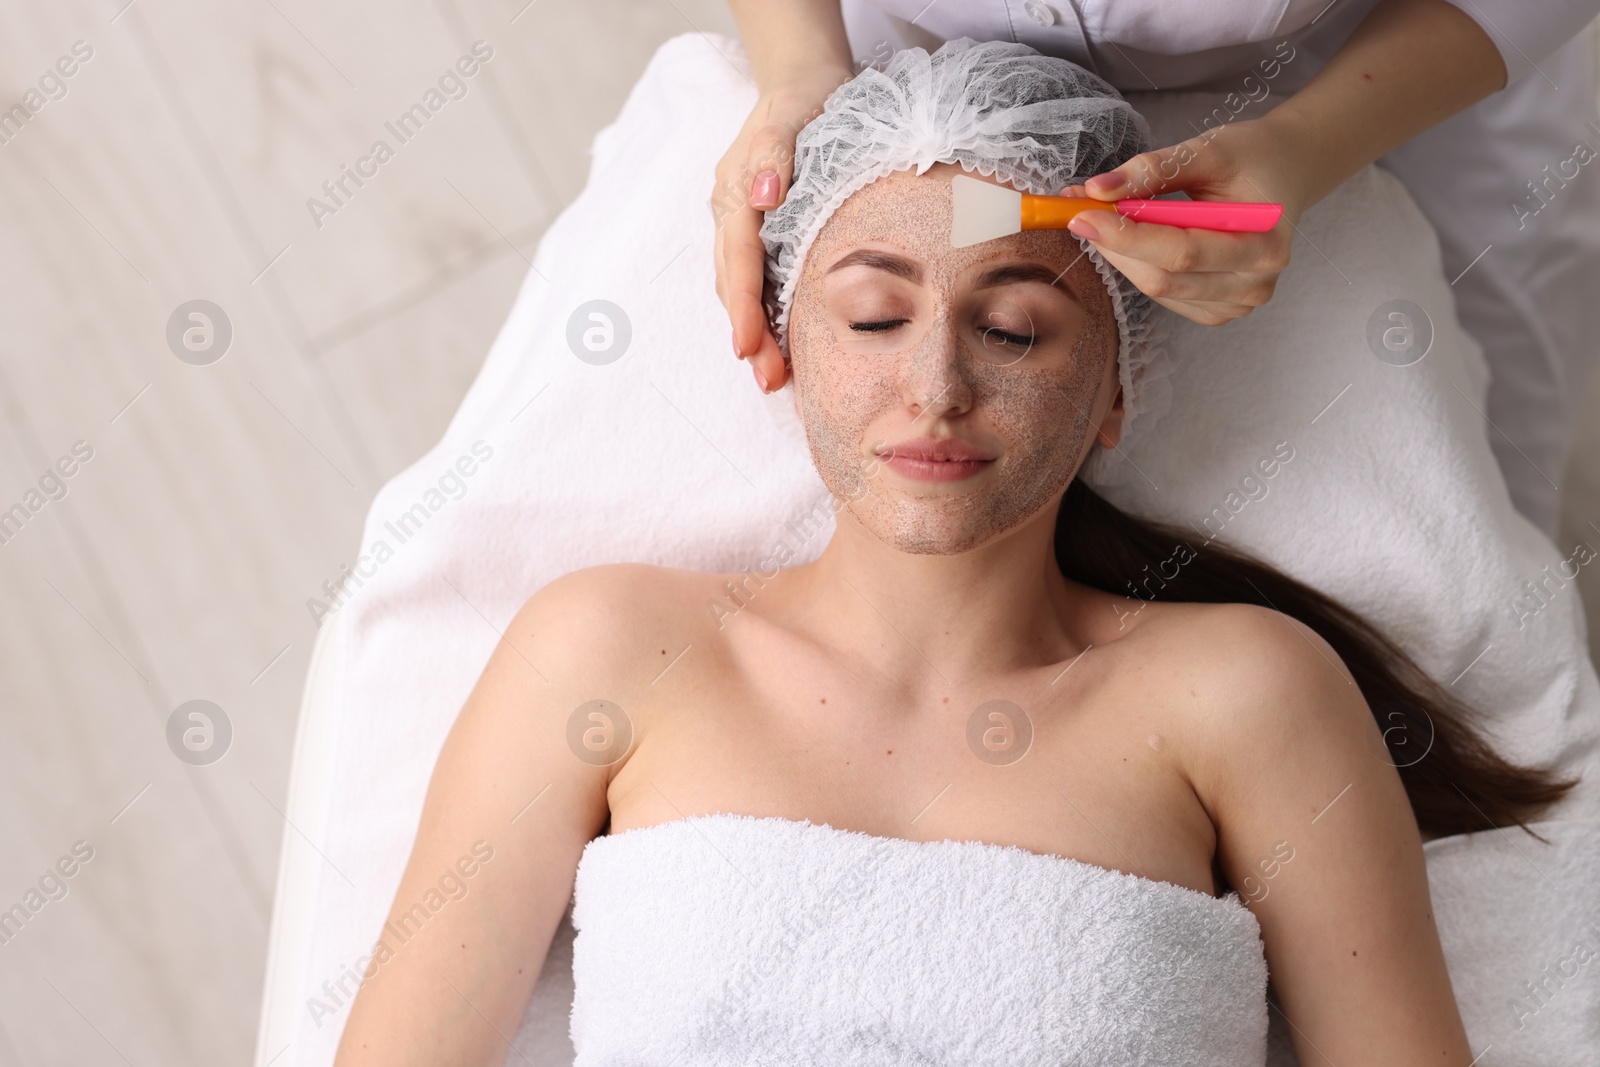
point(948, 394)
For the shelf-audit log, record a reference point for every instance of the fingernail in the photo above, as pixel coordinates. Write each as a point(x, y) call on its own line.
point(1081, 226)
point(737, 351)
point(761, 379)
point(764, 190)
point(1107, 183)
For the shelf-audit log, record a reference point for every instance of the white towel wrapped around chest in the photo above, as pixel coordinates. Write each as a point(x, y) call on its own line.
point(735, 940)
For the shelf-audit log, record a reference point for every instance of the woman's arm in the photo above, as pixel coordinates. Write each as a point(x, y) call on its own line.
point(799, 54)
point(1410, 65)
point(1539, 29)
point(788, 39)
point(1316, 834)
point(508, 812)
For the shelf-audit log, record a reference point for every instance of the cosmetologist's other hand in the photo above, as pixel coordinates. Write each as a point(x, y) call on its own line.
point(753, 177)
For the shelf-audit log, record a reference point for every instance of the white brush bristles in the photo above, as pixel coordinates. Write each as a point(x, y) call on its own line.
point(981, 211)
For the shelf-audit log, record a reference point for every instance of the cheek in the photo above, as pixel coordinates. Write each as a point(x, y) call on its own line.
point(1050, 408)
point(836, 390)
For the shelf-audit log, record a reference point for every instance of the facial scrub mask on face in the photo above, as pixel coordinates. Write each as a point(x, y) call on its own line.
point(1039, 123)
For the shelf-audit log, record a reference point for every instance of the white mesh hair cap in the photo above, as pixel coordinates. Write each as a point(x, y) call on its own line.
point(1003, 110)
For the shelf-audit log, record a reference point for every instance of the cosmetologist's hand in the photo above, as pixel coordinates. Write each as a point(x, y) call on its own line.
point(1204, 275)
point(752, 177)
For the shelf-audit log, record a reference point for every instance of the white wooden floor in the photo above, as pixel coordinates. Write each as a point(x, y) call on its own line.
point(177, 166)
point(218, 498)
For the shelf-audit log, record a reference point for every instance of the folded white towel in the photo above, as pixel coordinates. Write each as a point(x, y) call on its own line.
point(1538, 1004)
point(732, 940)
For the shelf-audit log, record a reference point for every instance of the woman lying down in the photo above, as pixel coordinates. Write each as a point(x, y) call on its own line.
point(946, 795)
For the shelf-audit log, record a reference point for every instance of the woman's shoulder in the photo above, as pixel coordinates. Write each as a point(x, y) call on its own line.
point(1250, 683)
point(611, 615)
point(1245, 666)
point(605, 583)
point(1236, 638)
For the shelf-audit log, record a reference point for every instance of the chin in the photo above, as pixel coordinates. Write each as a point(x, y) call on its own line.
point(928, 527)
point(933, 543)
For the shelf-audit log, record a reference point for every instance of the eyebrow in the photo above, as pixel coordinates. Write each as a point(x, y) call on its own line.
point(1024, 272)
point(901, 267)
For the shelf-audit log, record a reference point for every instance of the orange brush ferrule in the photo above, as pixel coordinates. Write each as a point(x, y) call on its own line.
point(1054, 212)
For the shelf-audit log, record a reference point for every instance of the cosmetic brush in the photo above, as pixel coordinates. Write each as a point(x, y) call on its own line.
point(983, 211)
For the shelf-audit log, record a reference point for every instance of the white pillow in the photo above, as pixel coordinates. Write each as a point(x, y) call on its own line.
point(1391, 502)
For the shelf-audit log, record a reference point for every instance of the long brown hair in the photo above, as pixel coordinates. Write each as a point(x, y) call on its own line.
point(1457, 783)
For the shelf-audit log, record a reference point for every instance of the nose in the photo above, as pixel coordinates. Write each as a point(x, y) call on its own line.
point(936, 378)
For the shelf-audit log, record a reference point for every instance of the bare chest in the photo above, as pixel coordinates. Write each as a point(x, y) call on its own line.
point(1063, 759)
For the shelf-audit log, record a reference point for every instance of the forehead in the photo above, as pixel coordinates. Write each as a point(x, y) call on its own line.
point(912, 212)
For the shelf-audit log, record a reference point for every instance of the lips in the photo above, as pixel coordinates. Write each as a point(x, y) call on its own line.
point(927, 460)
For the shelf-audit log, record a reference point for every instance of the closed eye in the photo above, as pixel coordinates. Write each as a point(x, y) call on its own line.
point(1019, 339)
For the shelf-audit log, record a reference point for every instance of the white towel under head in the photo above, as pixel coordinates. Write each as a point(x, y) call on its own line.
point(733, 939)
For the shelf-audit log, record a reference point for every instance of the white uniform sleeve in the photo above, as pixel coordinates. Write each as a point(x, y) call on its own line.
point(1526, 31)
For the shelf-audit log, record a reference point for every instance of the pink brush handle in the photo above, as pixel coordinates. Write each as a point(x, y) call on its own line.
point(1234, 217)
